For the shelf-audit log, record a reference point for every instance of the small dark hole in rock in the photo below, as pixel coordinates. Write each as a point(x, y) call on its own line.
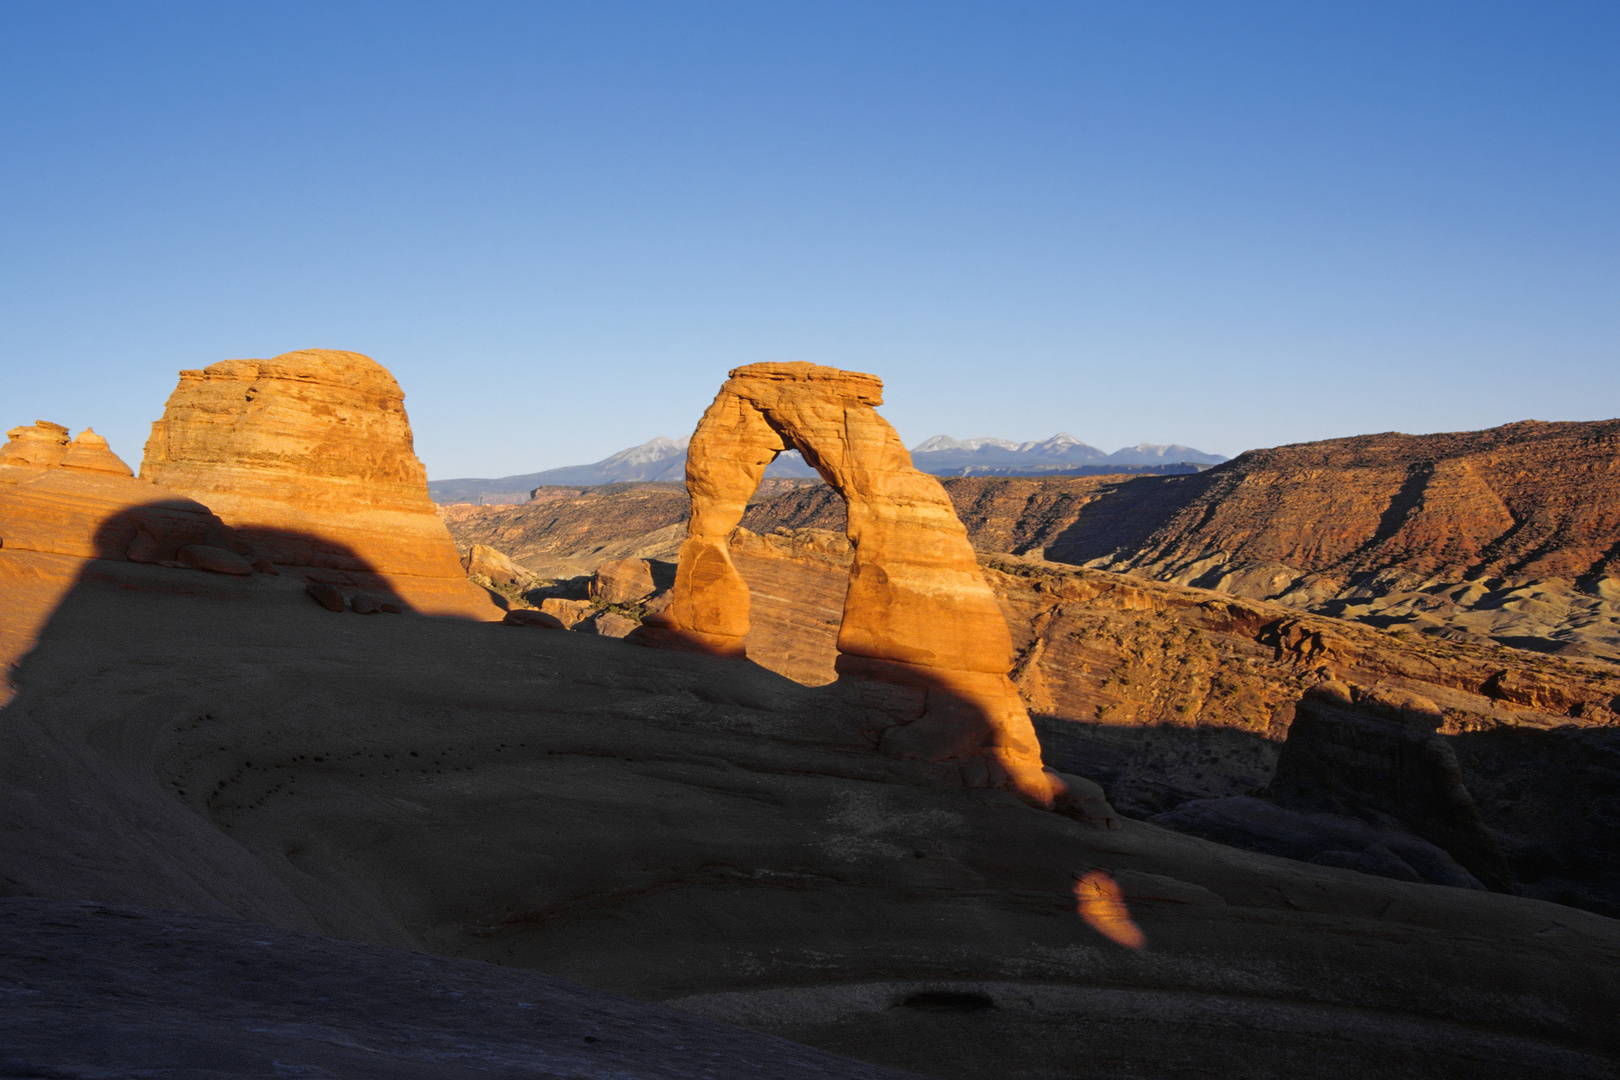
point(949, 1001)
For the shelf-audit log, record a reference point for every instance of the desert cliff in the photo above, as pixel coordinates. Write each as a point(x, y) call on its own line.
point(309, 458)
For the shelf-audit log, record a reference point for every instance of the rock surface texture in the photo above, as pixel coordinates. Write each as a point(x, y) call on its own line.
point(1509, 532)
point(309, 457)
point(622, 581)
point(124, 991)
point(677, 828)
point(917, 611)
point(70, 507)
point(1172, 696)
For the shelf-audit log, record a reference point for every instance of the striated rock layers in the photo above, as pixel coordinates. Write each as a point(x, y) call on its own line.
point(78, 500)
point(917, 611)
point(309, 457)
point(1180, 701)
point(1507, 534)
point(64, 502)
point(1376, 521)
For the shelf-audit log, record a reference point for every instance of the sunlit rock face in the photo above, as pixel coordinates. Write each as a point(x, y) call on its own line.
point(65, 502)
point(917, 612)
point(43, 444)
point(309, 456)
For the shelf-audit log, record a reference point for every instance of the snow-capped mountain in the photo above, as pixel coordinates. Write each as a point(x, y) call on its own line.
point(660, 459)
point(943, 455)
point(664, 459)
point(1154, 454)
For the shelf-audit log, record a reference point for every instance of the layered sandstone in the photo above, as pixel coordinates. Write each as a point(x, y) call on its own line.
point(41, 444)
point(1387, 525)
point(44, 444)
point(917, 611)
point(66, 501)
point(309, 457)
point(1254, 528)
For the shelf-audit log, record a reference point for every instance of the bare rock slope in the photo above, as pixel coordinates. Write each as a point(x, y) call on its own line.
point(128, 991)
point(701, 832)
point(63, 502)
point(1509, 533)
point(1169, 694)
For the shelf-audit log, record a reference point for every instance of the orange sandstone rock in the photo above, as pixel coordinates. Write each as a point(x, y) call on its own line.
point(918, 611)
point(65, 503)
point(622, 581)
point(41, 443)
point(309, 457)
point(90, 452)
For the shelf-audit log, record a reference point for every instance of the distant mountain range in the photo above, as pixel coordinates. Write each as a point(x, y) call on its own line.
point(665, 459)
point(945, 456)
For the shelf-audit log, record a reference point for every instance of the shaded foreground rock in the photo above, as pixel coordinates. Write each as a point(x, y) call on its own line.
point(1168, 694)
point(917, 614)
point(124, 991)
point(691, 829)
point(215, 560)
point(56, 514)
point(1372, 753)
point(1320, 838)
point(309, 457)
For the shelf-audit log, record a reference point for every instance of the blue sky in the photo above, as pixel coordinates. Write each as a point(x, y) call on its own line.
point(1223, 224)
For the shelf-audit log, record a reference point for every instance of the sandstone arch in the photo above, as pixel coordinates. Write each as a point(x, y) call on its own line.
point(918, 611)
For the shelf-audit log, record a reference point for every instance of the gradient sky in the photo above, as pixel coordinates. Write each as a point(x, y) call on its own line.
point(1222, 224)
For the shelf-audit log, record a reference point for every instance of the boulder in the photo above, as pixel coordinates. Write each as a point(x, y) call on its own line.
point(918, 611)
point(622, 581)
point(1083, 800)
point(325, 595)
point(364, 603)
point(530, 617)
point(568, 612)
point(309, 457)
point(608, 624)
point(1375, 752)
point(213, 559)
point(485, 561)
